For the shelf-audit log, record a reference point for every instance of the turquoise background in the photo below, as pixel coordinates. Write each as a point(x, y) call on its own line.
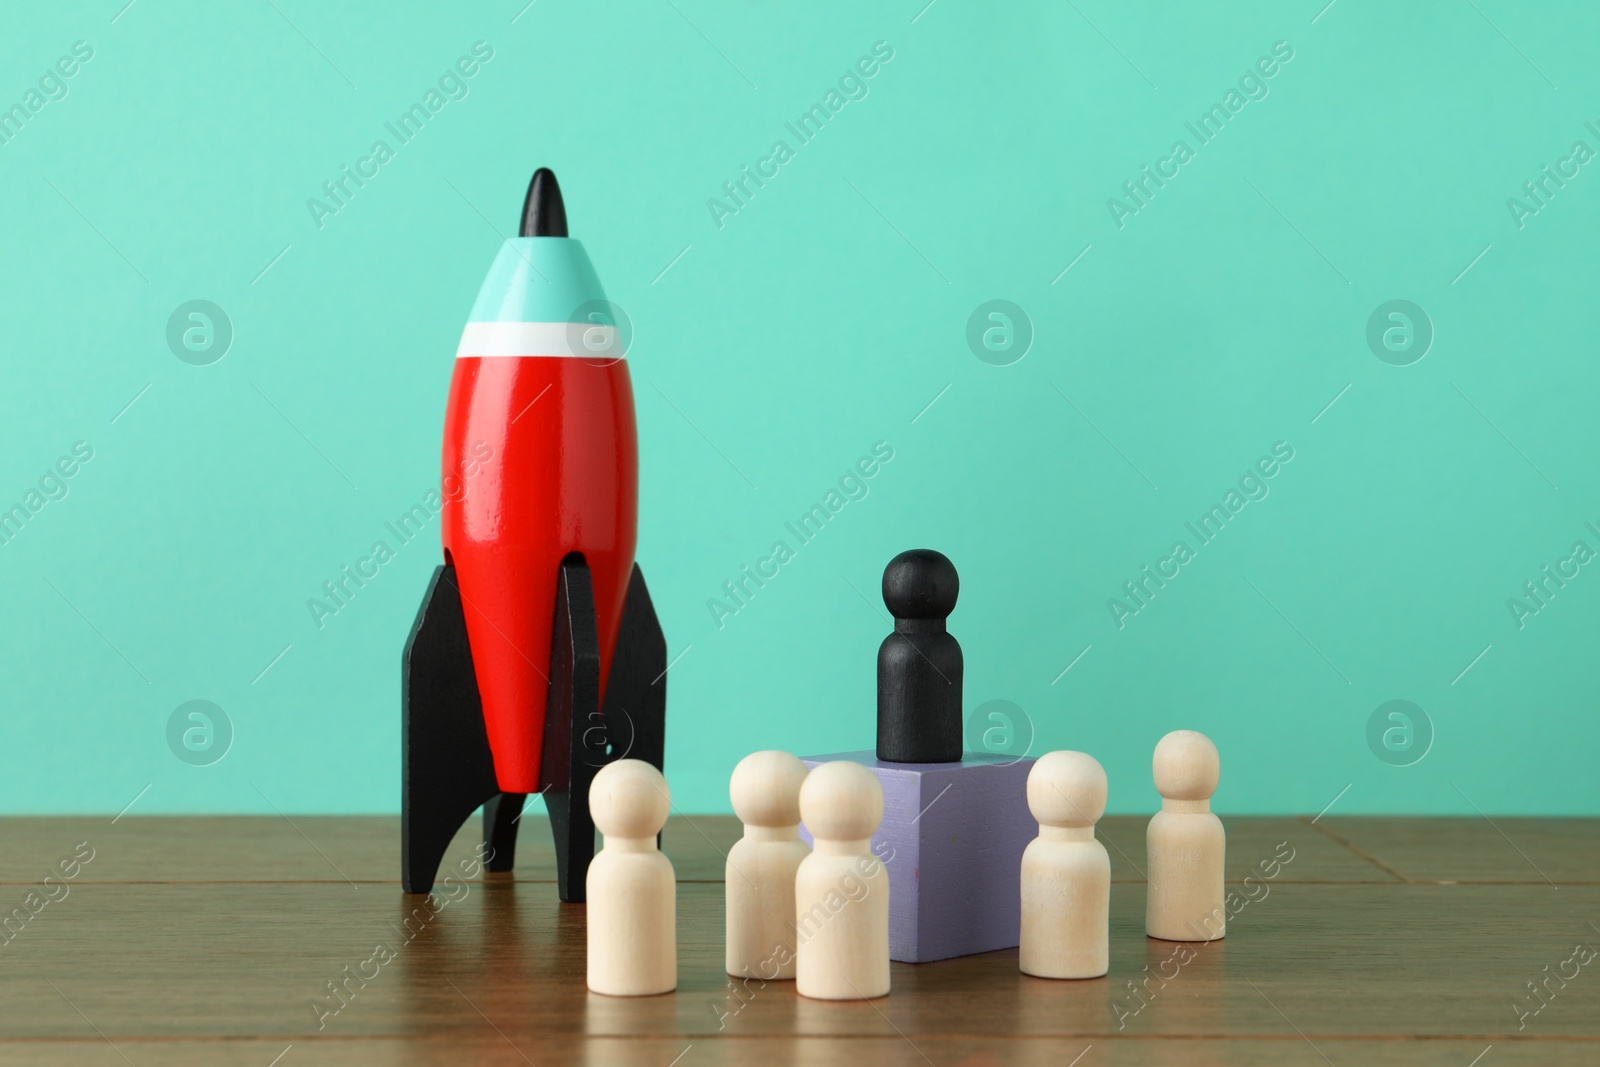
point(773, 351)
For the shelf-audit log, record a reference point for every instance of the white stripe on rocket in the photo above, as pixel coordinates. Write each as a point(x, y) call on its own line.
point(570, 339)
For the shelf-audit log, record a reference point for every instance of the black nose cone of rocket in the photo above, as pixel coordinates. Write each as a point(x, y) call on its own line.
point(543, 213)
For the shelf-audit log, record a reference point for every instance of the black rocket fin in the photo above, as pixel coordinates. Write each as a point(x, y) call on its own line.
point(447, 770)
point(574, 742)
point(635, 713)
point(500, 815)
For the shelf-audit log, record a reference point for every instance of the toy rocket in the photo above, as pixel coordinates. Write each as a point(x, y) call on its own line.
point(536, 657)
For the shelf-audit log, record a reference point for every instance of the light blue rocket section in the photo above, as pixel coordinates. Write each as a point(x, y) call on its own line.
point(537, 279)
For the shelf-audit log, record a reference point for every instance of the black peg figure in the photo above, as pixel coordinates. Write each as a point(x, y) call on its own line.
point(920, 665)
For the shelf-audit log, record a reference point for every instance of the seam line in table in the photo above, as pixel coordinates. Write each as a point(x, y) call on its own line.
point(1375, 861)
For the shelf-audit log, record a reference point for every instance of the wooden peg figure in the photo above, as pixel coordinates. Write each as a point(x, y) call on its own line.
point(633, 949)
point(760, 876)
point(1186, 843)
point(920, 665)
point(1066, 874)
point(841, 891)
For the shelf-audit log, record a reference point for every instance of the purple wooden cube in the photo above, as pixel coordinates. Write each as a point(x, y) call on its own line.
point(952, 840)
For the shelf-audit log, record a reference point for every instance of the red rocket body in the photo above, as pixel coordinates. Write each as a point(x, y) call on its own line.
point(540, 463)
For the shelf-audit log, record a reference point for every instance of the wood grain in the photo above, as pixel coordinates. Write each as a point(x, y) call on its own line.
point(322, 848)
point(1337, 960)
point(301, 848)
point(1436, 849)
point(799, 1051)
point(493, 1051)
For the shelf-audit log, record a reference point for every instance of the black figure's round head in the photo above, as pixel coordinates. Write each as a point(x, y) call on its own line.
point(920, 584)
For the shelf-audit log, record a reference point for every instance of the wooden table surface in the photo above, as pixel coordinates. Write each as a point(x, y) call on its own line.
point(208, 941)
